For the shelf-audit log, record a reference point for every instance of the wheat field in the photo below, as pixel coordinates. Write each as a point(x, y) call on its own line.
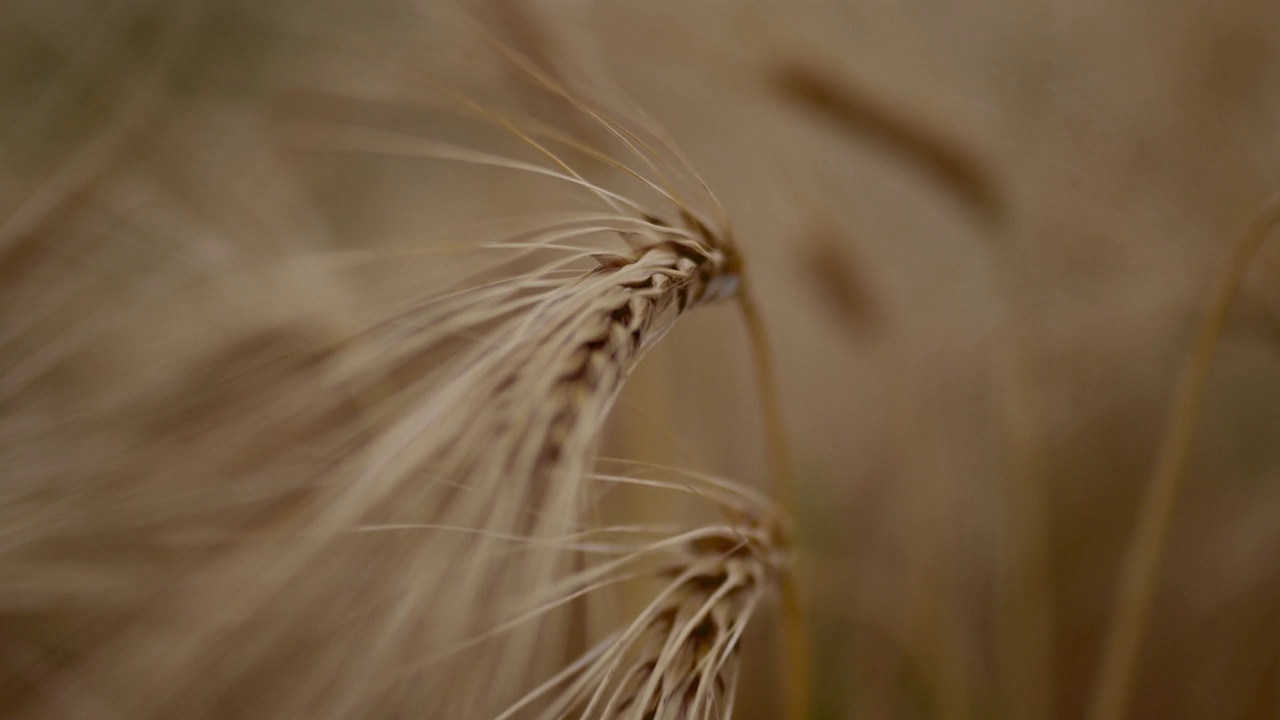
point(645, 359)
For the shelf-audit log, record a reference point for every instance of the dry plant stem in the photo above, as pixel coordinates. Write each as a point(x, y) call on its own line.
point(770, 398)
point(1027, 599)
point(1137, 585)
point(795, 633)
point(796, 637)
point(921, 143)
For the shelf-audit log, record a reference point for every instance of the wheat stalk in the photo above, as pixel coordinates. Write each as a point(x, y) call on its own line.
point(1138, 579)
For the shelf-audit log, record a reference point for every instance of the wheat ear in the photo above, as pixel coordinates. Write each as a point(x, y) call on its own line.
point(677, 658)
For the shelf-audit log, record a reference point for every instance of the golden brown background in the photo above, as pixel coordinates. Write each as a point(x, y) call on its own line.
point(976, 361)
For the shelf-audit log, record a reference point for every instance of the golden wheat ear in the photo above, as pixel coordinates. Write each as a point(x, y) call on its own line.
point(677, 654)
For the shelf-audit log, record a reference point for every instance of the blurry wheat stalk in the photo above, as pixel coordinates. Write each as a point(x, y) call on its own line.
point(238, 483)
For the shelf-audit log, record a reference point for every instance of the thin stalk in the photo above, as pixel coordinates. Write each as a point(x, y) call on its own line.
point(1133, 600)
point(794, 631)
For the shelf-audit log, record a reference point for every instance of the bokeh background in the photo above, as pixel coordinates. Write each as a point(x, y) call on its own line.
point(982, 268)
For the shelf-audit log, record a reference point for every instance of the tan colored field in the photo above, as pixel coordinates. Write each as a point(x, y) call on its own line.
point(984, 238)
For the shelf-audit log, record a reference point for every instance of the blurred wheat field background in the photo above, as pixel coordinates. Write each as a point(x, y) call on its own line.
point(983, 240)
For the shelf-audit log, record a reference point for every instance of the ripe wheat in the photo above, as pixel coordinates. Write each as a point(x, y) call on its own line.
point(270, 496)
